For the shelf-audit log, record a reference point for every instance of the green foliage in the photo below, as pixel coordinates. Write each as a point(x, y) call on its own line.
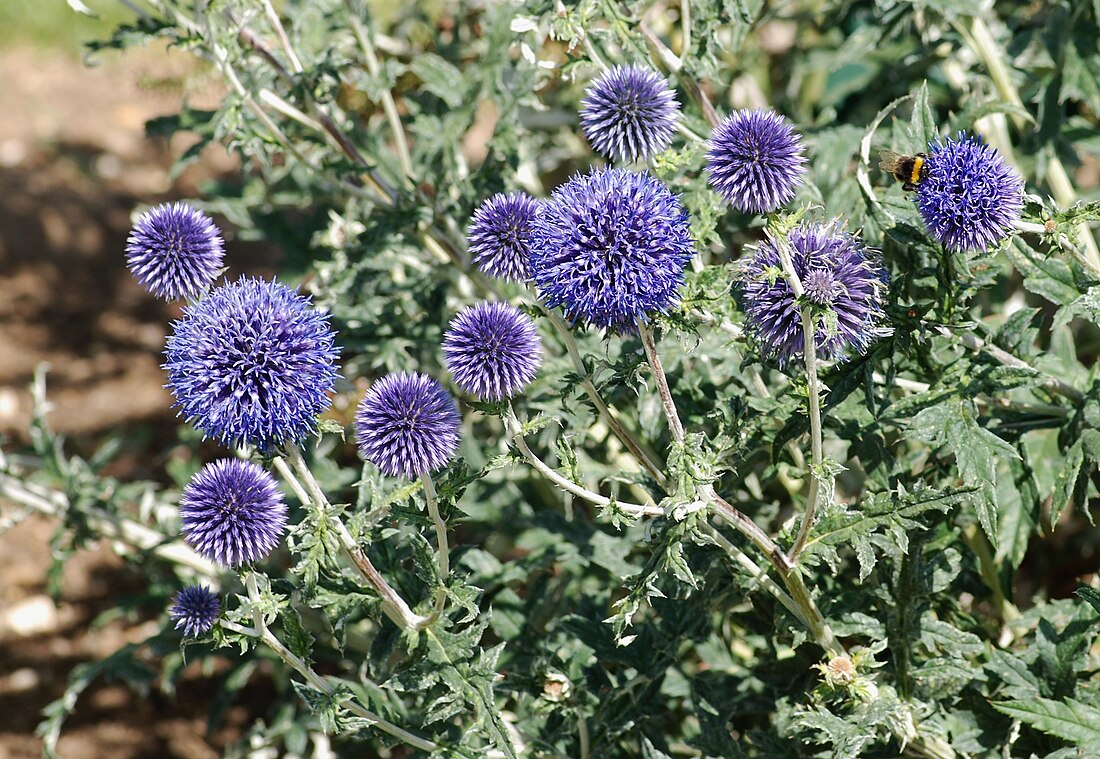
point(661, 617)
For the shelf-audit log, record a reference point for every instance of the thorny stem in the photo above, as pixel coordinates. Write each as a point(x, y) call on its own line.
point(582, 734)
point(685, 30)
point(442, 547)
point(675, 65)
point(280, 32)
point(800, 595)
point(394, 606)
point(590, 389)
point(810, 614)
point(675, 426)
point(757, 573)
point(324, 124)
point(813, 397)
point(515, 430)
point(315, 680)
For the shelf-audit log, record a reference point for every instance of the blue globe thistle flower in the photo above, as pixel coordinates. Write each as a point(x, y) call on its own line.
point(629, 114)
point(499, 235)
point(841, 278)
point(174, 251)
point(232, 512)
point(195, 609)
point(407, 424)
point(610, 247)
point(492, 350)
point(252, 363)
point(970, 197)
point(755, 160)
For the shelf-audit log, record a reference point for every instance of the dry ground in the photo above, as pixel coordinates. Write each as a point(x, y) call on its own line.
point(74, 164)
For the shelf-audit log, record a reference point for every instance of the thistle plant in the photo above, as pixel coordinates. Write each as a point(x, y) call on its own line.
point(629, 114)
point(174, 251)
point(738, 450)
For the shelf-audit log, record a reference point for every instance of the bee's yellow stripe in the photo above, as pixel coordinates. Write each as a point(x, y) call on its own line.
point(918, 162)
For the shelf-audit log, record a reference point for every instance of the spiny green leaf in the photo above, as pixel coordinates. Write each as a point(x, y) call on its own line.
point(1067, 719)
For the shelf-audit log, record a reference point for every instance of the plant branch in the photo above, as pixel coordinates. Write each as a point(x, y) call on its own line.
point(56, 504)
point(442, 547)
point(394, 606)
point(1051, 383)
point(789, 573)
point(644, 457)
point(515, 429)
point(813, 395)
point(389, 106)
point(675, 426)
point(981, 41)
point(295, 662)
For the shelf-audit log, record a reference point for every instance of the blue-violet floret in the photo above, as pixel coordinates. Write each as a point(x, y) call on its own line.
point(195, 609)
point(629, 114)
point(492, 350)
point(971, 197)
point(232, 512)
point(610, 248)
point(499, 235)
point(252, 363)
point(755, 160)
point(407, 424)
point(842, 280)
point(174, 251)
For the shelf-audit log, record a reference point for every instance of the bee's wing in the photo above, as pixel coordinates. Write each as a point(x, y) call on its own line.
point(888, 160)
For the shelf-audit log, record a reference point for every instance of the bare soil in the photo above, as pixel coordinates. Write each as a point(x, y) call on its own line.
point(74, 165)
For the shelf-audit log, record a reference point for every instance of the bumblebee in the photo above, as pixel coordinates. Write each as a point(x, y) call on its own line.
point(910, 170)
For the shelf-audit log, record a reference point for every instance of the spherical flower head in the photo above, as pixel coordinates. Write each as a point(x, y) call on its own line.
point(499, 235)
point(970, 197)
point(252, 363)
point(492, 350)
point(629, 114)
point(841, 279)
point(755, 160)
point(195, 609)
point(407, 424)
point(232, 512)
point(174, 251)
point(610, 248)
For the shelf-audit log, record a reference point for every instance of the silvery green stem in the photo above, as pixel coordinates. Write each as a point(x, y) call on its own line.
point(981, 41)
point(295, 662)
point(675, 426)
point(757, 573)
point(442, 547)
point(515, 430)
point(55, 504)
point(813, 396)
point(394, 606)
point(636, 449)
point(370, 57)
point(1050, 382)
point(685, 30)
point(809, 614)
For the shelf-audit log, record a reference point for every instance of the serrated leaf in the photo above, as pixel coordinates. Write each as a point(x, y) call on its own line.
point(1090, 596)
point(891, 514)
point(942, 637)
point(1068, 719)
point(977, 451)
point(1069, 488)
